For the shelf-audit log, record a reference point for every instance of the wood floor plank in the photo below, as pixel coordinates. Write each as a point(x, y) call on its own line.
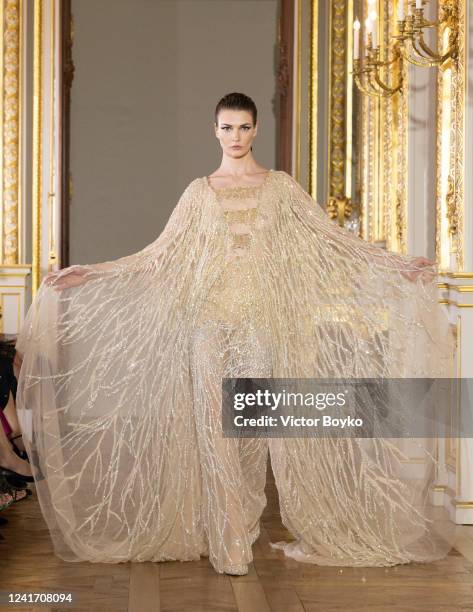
point(250, 596)
point(144, 588)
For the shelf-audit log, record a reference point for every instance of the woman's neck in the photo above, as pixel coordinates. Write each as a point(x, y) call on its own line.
point(239, 167)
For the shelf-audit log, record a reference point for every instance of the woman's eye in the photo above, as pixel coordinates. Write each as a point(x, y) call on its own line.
point(226, 128)
point(246, 128)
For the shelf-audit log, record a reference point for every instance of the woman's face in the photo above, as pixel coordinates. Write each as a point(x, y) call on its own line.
point(235, 131)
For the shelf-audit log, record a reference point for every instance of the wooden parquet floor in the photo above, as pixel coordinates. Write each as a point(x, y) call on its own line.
point(274, 583)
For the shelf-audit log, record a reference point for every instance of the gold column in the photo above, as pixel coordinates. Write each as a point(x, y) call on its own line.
point(337, 98)
point(52, 203)
point(349, 105)
point(37, 141)
point(383, 145)
point(297, 91)
point(313, 93)
point(452, 85)
point(10, 19)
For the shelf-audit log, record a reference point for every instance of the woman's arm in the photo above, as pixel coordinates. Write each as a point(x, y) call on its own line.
point(177, 224)
point(410, 267)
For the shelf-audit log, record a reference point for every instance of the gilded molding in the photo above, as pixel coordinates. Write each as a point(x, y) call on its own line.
point(449, 238)
point(382, 152)
point(459, 160)
point(439, 233)
point(338, 79)
point(52, 202)
point(402, 160)
point(11, 131)
point(37, 141)
point(313, 98)
point(452, 207)
point(297, 101)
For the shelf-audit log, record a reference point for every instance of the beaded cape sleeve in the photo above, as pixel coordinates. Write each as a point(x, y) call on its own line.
point(106, 403)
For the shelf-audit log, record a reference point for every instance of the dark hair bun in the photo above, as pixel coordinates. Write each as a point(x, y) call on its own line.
point(237, 101)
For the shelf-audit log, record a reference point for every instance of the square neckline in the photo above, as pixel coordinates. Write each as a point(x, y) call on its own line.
point(218, 190)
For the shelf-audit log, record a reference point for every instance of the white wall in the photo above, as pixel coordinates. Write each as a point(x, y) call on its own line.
point(148, 76)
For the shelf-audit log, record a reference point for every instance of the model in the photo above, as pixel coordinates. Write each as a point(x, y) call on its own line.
point(121, 382)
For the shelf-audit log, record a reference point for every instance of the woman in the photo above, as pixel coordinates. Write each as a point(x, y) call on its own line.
point(120, 388)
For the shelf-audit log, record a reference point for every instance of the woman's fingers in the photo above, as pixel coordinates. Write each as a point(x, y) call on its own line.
point(49, 276)
point(71, 280)
point(67, 277)
point(420, 268)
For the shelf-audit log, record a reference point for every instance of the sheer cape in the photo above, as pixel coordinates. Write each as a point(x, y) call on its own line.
point(106, 403)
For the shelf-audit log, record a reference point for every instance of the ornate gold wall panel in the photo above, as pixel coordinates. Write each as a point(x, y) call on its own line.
point(367, 136)
point(337, 97)
point(37, 141)
point(451, 151)
point(383, 144)
point(392, 207)
point(10, 19)
point(313, 93)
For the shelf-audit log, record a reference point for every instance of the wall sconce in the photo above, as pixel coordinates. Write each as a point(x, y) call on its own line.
point(367, 74)
point(411, 32)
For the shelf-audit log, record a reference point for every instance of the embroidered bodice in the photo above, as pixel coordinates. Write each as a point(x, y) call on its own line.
point(234, 297)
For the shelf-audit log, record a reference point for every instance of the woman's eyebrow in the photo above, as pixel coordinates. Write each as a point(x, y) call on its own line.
point(231, 124)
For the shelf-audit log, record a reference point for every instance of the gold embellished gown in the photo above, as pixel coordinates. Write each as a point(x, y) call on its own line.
point(121, 386)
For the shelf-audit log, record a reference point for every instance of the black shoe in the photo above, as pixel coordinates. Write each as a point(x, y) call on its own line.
point(13, 484)
point(10, 474)
point(22, 454)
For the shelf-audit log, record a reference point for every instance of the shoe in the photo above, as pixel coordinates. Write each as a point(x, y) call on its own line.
point(8, 474)
point(236, 570)
point(13, 483)
point(21, 454)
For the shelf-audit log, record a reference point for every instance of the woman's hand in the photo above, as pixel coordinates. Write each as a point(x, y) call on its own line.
point(426, 269)
point(68, 277)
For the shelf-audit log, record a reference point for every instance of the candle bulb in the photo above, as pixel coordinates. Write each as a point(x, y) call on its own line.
point(368, 26)
point(356, 39)
point(400, 10)
point(374, 28)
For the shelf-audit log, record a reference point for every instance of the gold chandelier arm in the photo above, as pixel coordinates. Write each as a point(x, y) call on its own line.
point(387, 88)
point(358, 72)
point(376, 91)
point(422, 62)
point(431, 54)
point(360, 85)
point(390, 62)
point(431, 61)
